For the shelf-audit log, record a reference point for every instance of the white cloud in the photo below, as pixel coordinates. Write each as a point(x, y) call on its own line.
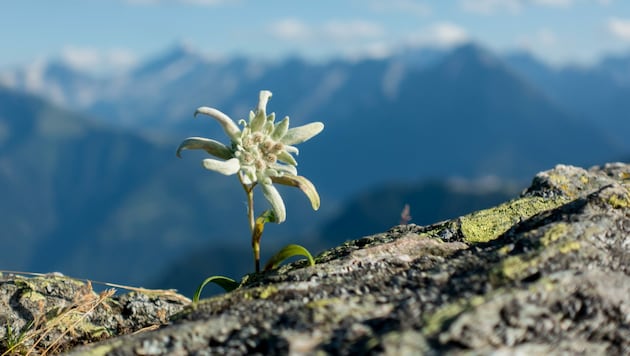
point(352, 39)
point(350, 30)
point(338, 31)
point(373, 50)
point(443, 34)
point(291, 29)
point(98, 60)
point(620, 28)
point(448, 34)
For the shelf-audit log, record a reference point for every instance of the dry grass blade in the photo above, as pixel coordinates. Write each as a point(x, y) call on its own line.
point(83, 309)
point(145, 329)
point(91, 304)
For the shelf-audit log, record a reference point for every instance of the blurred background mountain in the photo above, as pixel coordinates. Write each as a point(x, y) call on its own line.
point(90, 185)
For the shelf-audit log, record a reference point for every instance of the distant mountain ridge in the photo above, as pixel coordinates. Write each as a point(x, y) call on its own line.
point(598, 95)
point(468, 116)
point(421, 113)
point(158, 93)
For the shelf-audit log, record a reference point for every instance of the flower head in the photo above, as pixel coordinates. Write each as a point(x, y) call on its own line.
point(260, 152)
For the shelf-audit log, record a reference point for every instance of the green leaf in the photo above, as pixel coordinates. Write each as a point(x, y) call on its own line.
point(265, 217)
point(228, 284)
point(287, 252)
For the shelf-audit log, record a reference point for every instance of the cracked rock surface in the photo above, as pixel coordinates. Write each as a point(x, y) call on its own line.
point(545, 273)
point(48, 314)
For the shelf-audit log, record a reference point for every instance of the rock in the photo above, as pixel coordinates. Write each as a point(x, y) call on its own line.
point(546, 273)
point(52, 313)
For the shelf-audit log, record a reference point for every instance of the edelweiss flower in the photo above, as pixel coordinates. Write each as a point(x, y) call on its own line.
point(260, 153)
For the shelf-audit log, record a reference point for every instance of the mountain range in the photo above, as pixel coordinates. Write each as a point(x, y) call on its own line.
point(598, 95)
point(408, 102)
point(91, 186)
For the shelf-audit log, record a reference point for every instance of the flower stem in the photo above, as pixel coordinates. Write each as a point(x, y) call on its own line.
point(249, 191)
point(250, 208)
point(256, 248)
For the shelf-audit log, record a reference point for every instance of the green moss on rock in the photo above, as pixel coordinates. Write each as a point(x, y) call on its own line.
point(487, 225)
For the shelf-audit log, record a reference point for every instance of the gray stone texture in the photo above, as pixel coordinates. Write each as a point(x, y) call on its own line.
point(546, 273)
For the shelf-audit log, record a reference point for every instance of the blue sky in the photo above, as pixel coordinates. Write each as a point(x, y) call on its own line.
point(101, 34)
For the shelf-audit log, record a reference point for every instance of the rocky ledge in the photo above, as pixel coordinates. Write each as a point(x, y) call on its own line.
point(546, 273)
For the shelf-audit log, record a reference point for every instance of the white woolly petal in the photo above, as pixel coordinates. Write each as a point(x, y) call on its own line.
point(277, 205)
point(284, 168)
point(292, 149)
point(300, 182)
point(286, 157)
point(230, 128)
point(263, 98)
point(229, 167)
point(249, 176)
point(213, 147)
point(280, 129)
point(302, 133)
